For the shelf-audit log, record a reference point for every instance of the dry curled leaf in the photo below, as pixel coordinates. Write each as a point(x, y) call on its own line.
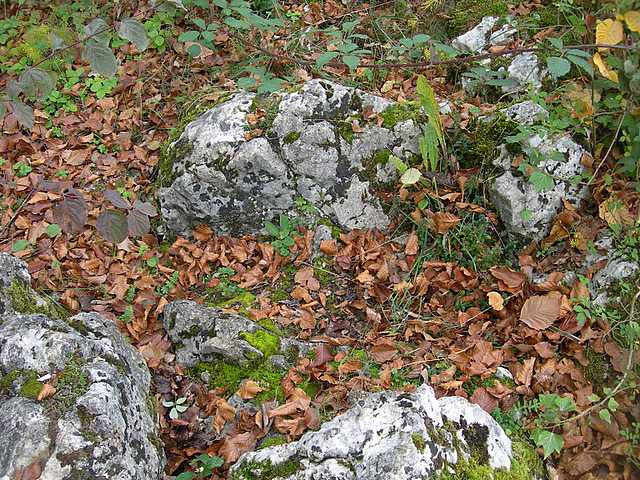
point(540, 312)
point(249, 389)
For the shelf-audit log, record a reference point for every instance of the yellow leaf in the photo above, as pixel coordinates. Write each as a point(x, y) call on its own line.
point(609, 32)
point(632, 18)
point(604, 69)
point(496, 301)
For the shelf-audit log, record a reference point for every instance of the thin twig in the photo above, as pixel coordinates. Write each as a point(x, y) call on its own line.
point(606, 155)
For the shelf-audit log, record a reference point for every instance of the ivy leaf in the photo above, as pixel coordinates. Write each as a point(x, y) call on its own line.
point(23, 113)
point(134, 31)
point(116, 199)
point(411, 176)
point(541, 181)
point(325, 58)
point(137, 223)
point(550, 442)
point(100, 58)
point(112, 225)
point(71, 212)
point(98, 30)
point(37, 83)
point(558, 67)
point(351, 61)
point(20, 245)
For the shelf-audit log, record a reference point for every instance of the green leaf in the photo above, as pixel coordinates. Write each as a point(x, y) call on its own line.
point(200, 23)
point(246, 82)
point(550, 442)
point(411, 176)
point(36, 83)
point(269, 85)
point(99, 31)
point(194, 50)
point(53, 230)
point(235, 23)
point(185, 476)
point(351, 61)
point(605, 415)
point(134, 31)
point(541, 181)
point(431, 108)
point(112, 225)
point(565, 404)
point(582, 63)
point(271, 229)
point(325, 58)
point(398, 164)
point(558, 67)
point(20, 245)
point(189, 36)
point(428, 145)
point(101, 58)
point(23, 113)
point(613, 404)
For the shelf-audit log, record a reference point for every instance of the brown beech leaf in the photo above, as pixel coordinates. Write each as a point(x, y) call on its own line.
point(329, 247)
point(483, 398)
point(539, 312)
point(511, 281)
point(444, 221)
point(249, 389)
point(47, 391)
point(412, 247)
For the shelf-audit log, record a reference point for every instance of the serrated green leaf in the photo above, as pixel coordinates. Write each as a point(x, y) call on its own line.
point(550, 442)
point(134, 31)
point(325, 58)
point(20, 245)
point(558, 67)
point(541, 181)
point(411, 176)
point(101, 58)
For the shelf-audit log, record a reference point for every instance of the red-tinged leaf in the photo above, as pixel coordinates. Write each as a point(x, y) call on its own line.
point(383, 350)
point(235, 446)
point(116, 199)
point(30, 472)
point(322, 355)
point(146, 208)
point(71, 212)
point(540, 312)
point(112, 225)
point(483, 398)
point(137, 223)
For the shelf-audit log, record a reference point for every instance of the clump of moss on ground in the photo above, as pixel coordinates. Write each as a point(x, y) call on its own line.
point(23, 301)
point(265, 470)
point(484, 139)
point(467, 13)
point(267, 343)
point(273, 441)
point(229, 377)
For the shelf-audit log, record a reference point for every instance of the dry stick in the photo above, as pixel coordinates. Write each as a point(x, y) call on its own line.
point(15, 215)
point(606, 155)
point(425, 65)
point(618, 388)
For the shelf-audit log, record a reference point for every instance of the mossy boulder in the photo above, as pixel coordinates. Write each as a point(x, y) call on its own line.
point(96, 423)
point(391, 435)
point(315, 143)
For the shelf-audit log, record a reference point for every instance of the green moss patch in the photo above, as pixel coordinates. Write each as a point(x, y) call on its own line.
point(229, 377)
point(270, 105)
point(23, 301)
point(484, 139)
point(265, 470)
point(291, 137)
point(73, 382)
point(267, 343)
point(401, 112)
point(273, 441)
point(467, 13)
point(418, 441)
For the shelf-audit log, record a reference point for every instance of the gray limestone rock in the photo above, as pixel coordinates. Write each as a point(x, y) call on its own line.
point(98, 424)
point(527, 211)
point(526, 113)
point(310, 150)
point(485, 35)
point(525, 72)
point(388, 435)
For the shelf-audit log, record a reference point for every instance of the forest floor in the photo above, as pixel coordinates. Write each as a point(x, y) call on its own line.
point(411, 304)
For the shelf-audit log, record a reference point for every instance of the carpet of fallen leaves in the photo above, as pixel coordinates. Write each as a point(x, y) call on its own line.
point(529, 328)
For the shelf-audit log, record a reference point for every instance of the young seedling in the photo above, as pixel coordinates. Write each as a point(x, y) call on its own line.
point(177, 407)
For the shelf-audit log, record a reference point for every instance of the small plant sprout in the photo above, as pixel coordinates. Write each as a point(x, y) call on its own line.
point(176, 407)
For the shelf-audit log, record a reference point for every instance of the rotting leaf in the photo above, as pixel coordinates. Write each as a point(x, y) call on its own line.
point(113, 226)
point(71, 212)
